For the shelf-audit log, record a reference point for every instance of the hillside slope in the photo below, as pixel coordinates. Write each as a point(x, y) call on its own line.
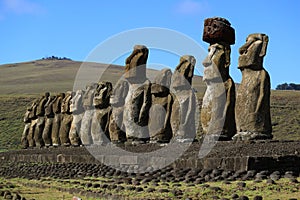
point(36, 77)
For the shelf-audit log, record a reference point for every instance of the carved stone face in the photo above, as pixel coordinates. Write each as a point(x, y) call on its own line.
point(184, 72)
point(102, 95)
point(76, 101)
point(252, 53)
point(216, 63)
point(135, 68)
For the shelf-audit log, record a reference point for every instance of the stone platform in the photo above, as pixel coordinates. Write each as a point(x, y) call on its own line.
point(235, 156)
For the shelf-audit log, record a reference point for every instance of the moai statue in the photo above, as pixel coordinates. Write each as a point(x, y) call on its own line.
point(49, 115)
point(217, 113)
point(184, 106)
point(138, 100)
point(56, 107)
point(66, 120)
point(40, 112)
point(85, 129)
point(160, 112)
point(253, 96)
point(76, 108)
point(27, 122)
point(117, 102)
point(33, 118)
point(100, 121)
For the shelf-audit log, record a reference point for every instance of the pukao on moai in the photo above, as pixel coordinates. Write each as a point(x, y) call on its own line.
point(100, 121)
point(217, 113)
point(184, 106)
point(40, 112)
point(66, 120)
point(117, 102)
point(33, 118)
point(49, 117)
point(85, 129)
point(56, 106)
point(253, 96)
point(77, 110)
point(160, 112)
point(138, 100)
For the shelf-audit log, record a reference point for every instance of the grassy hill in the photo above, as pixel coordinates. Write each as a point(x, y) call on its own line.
point(20, 83)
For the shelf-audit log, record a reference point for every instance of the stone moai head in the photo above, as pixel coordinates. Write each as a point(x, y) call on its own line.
point(65, 106)
point(76, 102)
point(216, 64)
point(184, 72)
point(220, 35)
point(47, 94)
point(253, 52)
point(162, 82)
point(135, 68)
point(102, 95)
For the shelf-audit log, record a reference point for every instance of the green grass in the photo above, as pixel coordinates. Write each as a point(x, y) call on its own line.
point(47, 188)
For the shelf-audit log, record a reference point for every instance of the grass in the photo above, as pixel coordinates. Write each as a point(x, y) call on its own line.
point(49, 188)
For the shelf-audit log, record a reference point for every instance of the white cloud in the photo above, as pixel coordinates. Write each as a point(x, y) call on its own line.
point(191, 7)
point(21, 7)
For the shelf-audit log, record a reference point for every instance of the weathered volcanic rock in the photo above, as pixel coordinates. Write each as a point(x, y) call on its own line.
point(253, 96)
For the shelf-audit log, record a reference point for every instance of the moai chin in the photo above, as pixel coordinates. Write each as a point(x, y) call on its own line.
point(100, 121)
point(217, 113)
point(160, 112)
point(183, 109)
point(138, 99)
point(253, 96)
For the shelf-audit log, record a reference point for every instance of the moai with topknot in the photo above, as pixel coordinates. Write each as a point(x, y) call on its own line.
point(217, 113)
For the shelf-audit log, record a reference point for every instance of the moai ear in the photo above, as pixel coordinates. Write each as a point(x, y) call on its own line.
point(265, 40)
point(227, 56)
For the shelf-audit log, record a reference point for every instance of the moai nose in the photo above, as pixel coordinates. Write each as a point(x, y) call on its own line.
point(206, 62)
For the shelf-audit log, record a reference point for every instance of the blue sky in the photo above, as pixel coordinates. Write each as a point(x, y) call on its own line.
point(32, 29)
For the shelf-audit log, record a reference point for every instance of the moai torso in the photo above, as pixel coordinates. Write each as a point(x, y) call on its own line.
point(253, 97)
point(184, 106)
point(138, 99)
point(161, 106)
point(217, 113)
point(100, 121)
point(117, 102)
point(65, 105)
point(49, 107)
point(56, 106)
